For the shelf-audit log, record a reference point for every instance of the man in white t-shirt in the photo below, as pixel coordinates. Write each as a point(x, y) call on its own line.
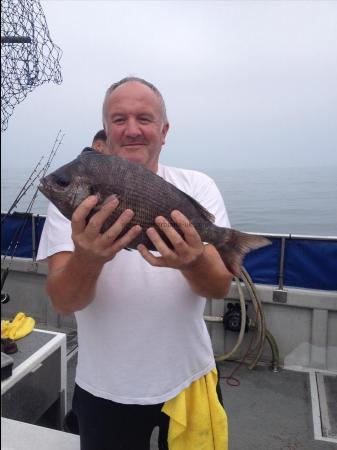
point(142, 337)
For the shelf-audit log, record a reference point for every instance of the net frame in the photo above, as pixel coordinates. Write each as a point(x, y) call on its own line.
point(29, 57)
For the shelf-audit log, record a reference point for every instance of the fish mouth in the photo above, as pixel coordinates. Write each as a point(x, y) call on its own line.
point(43, 187)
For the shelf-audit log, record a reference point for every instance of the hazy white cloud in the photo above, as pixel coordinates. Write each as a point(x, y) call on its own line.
point(247, 83)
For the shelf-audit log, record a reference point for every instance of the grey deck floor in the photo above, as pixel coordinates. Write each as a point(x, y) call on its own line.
point(267, 411)
point(330, 384)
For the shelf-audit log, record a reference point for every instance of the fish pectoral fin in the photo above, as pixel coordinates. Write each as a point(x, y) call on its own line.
point(105, 201)
point(109, 198)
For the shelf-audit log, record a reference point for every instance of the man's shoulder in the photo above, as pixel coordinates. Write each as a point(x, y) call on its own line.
point(182, 174)
point(53, 213)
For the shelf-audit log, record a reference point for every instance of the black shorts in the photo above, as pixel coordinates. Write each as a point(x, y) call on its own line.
point(107, 425)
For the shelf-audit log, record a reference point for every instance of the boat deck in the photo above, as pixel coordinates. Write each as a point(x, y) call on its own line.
point(270, 411)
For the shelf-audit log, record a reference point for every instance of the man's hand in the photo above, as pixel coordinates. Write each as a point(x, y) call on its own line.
point(200, 264)
point(187, 249)
point(92, 245)
point(72, 277)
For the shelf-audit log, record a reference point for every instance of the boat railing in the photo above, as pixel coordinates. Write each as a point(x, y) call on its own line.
point(294, 260)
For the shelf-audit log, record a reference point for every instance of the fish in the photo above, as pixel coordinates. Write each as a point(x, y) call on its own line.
point(148, 195)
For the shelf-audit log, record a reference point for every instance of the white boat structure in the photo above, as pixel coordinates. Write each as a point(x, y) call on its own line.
point(274, 337)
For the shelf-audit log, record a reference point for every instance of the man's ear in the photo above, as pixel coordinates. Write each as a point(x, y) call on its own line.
point(165, 129)
point(98, 146)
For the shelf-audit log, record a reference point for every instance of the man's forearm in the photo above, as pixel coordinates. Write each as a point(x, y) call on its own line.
point(72, 286)
point(209, 277)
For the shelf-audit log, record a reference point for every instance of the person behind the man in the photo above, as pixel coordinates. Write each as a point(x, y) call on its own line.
point(145, 357)
point(98, 143)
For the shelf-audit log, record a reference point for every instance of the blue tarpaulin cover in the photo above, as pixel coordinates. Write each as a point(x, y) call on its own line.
point(311, 264)
point(16, 234)
point(263, 264)
point(308, 263)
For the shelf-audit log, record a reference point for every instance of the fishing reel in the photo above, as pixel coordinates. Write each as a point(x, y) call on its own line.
point(232, 318)
point(5, 298)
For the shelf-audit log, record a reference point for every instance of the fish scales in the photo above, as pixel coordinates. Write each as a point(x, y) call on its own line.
point(158, 201)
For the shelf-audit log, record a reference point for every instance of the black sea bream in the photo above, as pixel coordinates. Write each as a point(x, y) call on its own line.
point(148, 195)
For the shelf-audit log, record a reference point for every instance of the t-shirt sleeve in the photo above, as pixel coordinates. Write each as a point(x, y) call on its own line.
point(208, 195)
point(56, 234)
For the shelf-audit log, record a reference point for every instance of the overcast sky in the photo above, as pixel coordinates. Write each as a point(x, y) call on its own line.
point(246, 83)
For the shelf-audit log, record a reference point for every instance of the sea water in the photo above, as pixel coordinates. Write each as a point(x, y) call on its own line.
point(274, 200)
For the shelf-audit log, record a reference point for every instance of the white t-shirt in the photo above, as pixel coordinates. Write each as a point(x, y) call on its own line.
point(142, 339)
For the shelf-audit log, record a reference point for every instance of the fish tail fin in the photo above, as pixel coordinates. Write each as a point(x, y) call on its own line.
point(234, 245)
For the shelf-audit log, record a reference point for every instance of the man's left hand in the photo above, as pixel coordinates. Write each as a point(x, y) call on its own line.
point(186, 251)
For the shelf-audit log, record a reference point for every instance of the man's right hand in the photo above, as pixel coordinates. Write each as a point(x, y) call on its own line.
point(92, 245)
point(72, 277)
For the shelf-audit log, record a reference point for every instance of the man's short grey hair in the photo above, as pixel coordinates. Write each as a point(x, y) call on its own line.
point(140, 80)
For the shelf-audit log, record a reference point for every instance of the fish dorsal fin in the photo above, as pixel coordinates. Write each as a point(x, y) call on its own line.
point(201, 209)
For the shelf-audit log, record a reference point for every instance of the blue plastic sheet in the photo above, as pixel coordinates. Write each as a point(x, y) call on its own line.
point(311, 264)
point(17, 237)
point(263, 264)
point(308, 263)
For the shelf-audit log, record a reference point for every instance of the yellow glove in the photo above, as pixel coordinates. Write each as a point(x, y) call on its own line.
point(20, 326)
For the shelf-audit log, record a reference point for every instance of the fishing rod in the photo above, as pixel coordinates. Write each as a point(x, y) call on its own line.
point(53, 152)
point(44, 171)
point(16, 238)
point(30, 181)
point(18, 234)
point(23, 190)
point(45, 168)
point(37, 176)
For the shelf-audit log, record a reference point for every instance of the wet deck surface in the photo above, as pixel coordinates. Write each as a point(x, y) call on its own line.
point(266, 411)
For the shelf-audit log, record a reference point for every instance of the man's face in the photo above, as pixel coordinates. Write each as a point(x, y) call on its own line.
point(134, 124)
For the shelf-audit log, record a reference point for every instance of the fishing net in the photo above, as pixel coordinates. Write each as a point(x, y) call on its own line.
point(29, 57)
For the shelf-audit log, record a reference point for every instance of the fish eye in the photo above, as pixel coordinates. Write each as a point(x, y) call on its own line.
point(62, 180)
